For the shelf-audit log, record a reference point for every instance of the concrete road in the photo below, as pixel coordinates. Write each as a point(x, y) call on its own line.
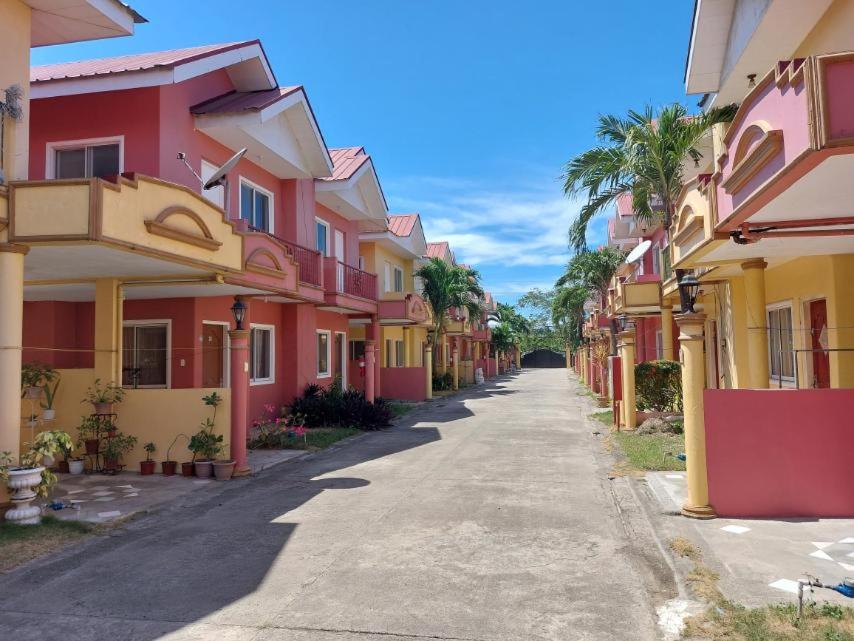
point(484, 516)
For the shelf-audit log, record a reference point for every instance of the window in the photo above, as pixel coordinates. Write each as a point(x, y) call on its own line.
point(256, 206)
point(145, 354)
point(322, 228)
point(388, 354)
point(215, 194)
point(261, 355)
point(323, 347)
point(357, 350)
point(781, 353)
point(399, 353)
point(398, 279)
point(85, 159)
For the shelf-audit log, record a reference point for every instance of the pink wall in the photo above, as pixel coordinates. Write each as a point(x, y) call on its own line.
point(780, 453)
point(403, 383)
point(59, 326)
point(351, 234)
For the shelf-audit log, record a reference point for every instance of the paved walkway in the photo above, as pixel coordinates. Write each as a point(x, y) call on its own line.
point(486, 516)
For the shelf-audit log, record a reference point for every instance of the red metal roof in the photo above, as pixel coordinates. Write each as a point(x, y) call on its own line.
point(235, 101)
point(135, 62)
point(438, 250)
point(402, 224)
point(346, 161)
point(624, 204)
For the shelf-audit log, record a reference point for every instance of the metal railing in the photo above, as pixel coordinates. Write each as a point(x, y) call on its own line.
point(356, 282)
point(309, 260)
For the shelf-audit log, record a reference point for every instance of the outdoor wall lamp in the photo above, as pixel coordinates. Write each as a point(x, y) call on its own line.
point(238, 310)
point(689, 287)
point(622, 321)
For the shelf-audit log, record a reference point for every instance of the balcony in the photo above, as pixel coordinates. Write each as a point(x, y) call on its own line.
point(411, 309)
point(782, 185)
point(481, 334)
point(637, 297)
point(457, 324)
point(348, 288)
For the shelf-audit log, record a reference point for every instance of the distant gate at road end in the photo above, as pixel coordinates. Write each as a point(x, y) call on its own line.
point(544, 358)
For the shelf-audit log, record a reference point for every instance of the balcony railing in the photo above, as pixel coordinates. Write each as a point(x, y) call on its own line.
point(351, 280)
point(309, 260)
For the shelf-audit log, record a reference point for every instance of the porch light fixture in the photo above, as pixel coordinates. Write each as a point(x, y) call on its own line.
point(751, 80)
point(689, 287)
point(238, 310)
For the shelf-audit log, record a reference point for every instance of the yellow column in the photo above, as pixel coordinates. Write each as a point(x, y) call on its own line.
point(11, 337)
point(428, 367)
point(667, 332)
point(518, 356)
point(443, 353)
point(456, 357)
point(693, 375)
point(757, 337)
point(108, 330)
point(407, 347)
point(568, 357)
point(628, 408)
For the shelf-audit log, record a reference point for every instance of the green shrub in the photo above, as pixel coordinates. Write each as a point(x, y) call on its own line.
point(443, 382)
point(331, 407)
point(658, 385)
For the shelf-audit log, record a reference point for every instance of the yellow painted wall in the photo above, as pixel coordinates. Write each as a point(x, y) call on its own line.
point(832, 33)
point(843, 315)
point(15, 70)
point(376, 258)
point(152, 415)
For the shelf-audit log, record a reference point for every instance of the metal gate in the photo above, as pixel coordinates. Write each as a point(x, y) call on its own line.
point(544, 358)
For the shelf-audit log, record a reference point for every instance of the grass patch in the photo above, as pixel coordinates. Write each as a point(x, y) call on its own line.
point(319, 438)
point(606, 418)
point(400, 408)
point(728, 621)
point(22, 543)
point(652, 451)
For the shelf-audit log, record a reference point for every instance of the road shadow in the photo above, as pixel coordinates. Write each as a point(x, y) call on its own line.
point(189, 560)
point(447, 409)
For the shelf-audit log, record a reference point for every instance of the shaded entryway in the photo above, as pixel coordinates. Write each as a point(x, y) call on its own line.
point(544, 358)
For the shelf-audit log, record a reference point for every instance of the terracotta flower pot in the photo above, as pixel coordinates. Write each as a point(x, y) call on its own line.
point(146, 468)
point(111, 465)
point(223, 470)
point(168, 467)
point(92, 445)
point(62, 467)
point(204, 469)
point(188, 469)
point(103, 408)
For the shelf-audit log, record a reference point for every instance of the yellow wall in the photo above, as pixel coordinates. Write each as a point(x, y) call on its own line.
point(15, 70)
point(375, 258)
point(152, 415)
point(832, 33)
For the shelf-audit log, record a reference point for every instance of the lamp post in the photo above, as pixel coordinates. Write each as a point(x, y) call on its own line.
point(239, 354)
point(689, 288)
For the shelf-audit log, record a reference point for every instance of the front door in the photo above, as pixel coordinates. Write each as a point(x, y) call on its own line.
point(213, 348)
point(339, 358)
point(339, 255)
point(818, 332)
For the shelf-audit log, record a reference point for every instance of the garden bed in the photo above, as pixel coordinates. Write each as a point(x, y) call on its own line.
point(23, 543)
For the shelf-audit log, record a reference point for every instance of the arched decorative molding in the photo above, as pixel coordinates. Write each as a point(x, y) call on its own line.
point(263, 261)
point(161, 226)
point(756, 146)
point(687, 222)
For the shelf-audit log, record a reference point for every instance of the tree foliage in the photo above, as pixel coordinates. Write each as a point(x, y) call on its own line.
point(641, 155)
point(446, 286)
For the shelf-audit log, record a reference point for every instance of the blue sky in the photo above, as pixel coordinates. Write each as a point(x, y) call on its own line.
point(469, 109)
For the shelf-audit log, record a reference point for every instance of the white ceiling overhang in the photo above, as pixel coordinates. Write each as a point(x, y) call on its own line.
point(407, 247)
point(358, 198)
point(61, 21)
point(283, 138)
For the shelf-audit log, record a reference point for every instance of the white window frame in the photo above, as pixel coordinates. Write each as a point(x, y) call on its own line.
point(328, 372)
point(272, 378)
point(154, 321)
point(207, 193)
point(394, 270)
point(773, 379)
point(226, 355)
point(399, 352)
point(266, 192)
point(320, 221)
point(52, 147)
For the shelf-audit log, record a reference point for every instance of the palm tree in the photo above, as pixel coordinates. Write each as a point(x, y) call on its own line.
point(568, 311)
point(507, 314)
point(446, 286)
point(641, 155)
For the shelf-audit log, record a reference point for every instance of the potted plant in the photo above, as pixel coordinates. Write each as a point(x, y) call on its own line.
point(75, 465)
point(103, 397)
point(114, 448)
point(33, 378)
point(30, 478)
point(49, 412)
point(169, 466)
point(89, 434)
point(205, 443)
point(63, 466)
point(146, 467)
point(223, 469)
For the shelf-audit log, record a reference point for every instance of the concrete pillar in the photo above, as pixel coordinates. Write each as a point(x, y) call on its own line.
point(11, 337)
point(693, 374)
point(108, 331)
point(626, 347)
point(376, 334)
point(455, 357)
point(239, 355)
point(518, 356)
point(428, 367)
point(370, 370)
point(408, 351)
point(443, 353)
point(667, 332)
point(757, 336)
point(568, 358)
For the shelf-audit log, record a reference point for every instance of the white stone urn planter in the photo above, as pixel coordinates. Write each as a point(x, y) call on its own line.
point(21, 483)
point(75, 466)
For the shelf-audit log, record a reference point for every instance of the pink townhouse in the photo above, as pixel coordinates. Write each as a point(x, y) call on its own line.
point(297, 206)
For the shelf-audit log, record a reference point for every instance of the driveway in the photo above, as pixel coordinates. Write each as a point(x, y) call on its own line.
point(484, 516)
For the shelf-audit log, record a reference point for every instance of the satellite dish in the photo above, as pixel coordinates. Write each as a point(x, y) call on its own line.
point(492, 323)
point(220, 175)
point(637, 253)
